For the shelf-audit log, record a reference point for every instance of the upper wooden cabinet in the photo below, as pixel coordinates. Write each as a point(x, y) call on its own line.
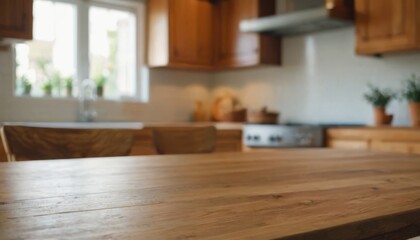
point(180, 34)
point(387, 26)
point(191, 33)
point(237, 49)
point(197, 34)
point(16, 19)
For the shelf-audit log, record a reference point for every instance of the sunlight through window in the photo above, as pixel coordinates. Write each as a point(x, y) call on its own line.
point(112, 47)
point(46, 66)
point(74, 41)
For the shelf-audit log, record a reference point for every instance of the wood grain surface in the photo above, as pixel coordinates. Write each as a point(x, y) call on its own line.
point(36, 143)
point(378, 139)
point(178, 140)
point(16, 19)
point(227, 140)
point(287, 194)
point(3, 155)
point(397, 32)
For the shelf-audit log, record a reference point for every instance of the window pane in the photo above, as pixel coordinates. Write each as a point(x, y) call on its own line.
point(47, 64)
point(112, 36)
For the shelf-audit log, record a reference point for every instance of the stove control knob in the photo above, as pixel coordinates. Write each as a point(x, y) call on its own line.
point(276, 139)
point(249, 137)
point(256, 138)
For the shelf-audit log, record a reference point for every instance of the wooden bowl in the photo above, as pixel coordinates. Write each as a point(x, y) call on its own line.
point(235, 116)
point(263, 117)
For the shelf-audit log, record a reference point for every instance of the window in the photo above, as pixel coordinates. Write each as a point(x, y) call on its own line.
point(112, 45)
point(44, 64)
point(75, 40)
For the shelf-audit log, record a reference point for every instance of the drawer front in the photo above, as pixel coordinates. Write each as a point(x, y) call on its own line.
point(228, 146)
point(227, 141)
point(348, 144)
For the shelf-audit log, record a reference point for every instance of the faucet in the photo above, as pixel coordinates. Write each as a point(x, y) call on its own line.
point(87, 99)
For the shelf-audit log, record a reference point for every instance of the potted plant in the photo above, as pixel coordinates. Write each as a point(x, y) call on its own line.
point(411, 93)
point(69, 86)
point(100, 83)
point(57, 82)
point(380, 98)
point(47, 87)
point(26, 85)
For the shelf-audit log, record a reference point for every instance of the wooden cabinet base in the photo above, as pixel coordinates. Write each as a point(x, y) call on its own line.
point(3, 156)
point(381, 139)
point(227, 141)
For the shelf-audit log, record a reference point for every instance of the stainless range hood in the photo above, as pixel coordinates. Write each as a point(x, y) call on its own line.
point(303, 16)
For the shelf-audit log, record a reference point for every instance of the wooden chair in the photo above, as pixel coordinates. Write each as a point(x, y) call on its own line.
point(184, 140)
point(33, 143)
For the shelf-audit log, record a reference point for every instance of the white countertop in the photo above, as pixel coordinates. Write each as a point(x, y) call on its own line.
point(218, 125)
point(124, 125)
point(80, 125)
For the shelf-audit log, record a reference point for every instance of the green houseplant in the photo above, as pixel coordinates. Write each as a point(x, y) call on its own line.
point(100, 84)
point(69, 86)
point(58, 82)
point(379, 99)
point(47, 87)
point(411, 93)
point(26, 85)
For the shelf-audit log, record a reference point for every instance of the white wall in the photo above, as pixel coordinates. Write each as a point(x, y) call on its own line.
point(172, 98)
point(321, 80)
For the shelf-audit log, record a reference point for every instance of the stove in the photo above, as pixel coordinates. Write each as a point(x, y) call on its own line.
point(282, 136)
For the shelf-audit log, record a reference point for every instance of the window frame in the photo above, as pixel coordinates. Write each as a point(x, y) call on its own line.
point(138, 8)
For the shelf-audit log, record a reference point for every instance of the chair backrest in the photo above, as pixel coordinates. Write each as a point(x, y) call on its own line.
point(34, 143)
point(184, 140)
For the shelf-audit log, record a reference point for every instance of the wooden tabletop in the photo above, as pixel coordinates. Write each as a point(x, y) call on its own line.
point(288, 194)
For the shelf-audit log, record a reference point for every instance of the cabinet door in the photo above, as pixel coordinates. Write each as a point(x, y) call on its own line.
point(16, 19)
point(348, 144)
point(387, 25)
point(229, 140)
point(235, 48)
point(191, 33)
